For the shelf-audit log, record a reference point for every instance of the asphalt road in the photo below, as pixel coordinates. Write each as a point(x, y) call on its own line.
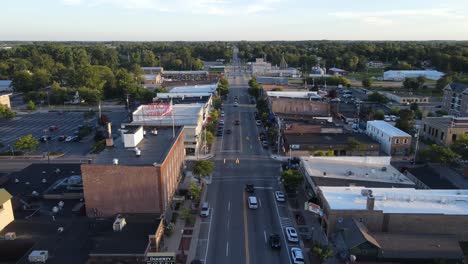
point(234, 233)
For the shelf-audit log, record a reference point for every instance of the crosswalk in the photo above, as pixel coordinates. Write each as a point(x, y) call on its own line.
point(286, 222)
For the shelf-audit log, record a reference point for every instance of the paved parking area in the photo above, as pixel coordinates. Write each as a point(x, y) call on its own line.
point(35, 123)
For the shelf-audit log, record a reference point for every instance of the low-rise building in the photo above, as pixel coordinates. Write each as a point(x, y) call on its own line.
point(297, 104)
point(136, 176)
point(337, 72)
point(260, 67)
point(393, 141)
point(335, 144)
point(6, 210)
point(191, 116)
point(152, 80)
point(5, 99)
point(267, 80)
point(443, 130)
point(401, 75)
point(455, 100)
point(396, 210)
point(367, 171)
point(202, 88)
point(406, 98)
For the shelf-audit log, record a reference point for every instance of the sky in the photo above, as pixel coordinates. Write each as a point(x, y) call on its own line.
point(231, 20)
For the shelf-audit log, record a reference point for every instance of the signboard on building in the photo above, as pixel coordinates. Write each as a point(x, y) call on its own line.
point(157, 109)
point(295, 146)
point(160, 258)
point(314, 208)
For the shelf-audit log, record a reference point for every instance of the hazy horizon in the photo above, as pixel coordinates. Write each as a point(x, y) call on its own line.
point(224, 20)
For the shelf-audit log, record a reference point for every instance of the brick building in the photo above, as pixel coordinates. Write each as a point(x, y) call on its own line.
point(455, 100)
point(393, 141)
point(444, 130)
point(397, 210)
point(138, 176)
point(300, 104)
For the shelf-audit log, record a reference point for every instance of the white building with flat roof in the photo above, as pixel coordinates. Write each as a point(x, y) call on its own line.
point(203, 88)
point(393, 141)
point(395, 75)
point(296, 95)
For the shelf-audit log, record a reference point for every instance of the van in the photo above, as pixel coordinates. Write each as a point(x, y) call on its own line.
point(205, 209)
point(252, 201)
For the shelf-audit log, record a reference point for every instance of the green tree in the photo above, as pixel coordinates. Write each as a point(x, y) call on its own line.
point(411, 83)
point(22, 82)
point(440, 154)
point(209, 137)
point(6, 112)
point(292, 178)
point(355, 145)
point(460, 146)
point(27, 143)
point(405, 121)
point(31, 105)
point(379, 115)
point(41, 79)
point(214, 114)
point(367, 82)
point(217, 103)
point(420, 80)
point(377, 97)
point(203, 168)
point(195, 190)
point(414, 106)
point(322, 252)
point(442, 82)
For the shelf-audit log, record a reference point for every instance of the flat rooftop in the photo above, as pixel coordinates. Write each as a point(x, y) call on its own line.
point(202, 88)
point(399, 200)
point(446, 121)
point(388, 128)
point(185, 98)
point(331, 139)
point(297, 95)
point(368, 169)
point(154, 149)
point(183, 114)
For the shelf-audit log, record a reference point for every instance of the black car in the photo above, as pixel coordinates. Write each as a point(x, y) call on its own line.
point(228, 131)
point(219, 133)
point(77, 139)
point(275, 241)
point(249, 188)
point(45, 138)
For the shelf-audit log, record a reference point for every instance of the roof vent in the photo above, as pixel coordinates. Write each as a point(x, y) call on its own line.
point(119, 223)
point(349, 173)
point(61, 204)
point(137, 152)
point(373, 171)
point(55, 209)
point(384, 169)
point(115, 161)
point(367, 174)
point(60, 229)
point(44, 180)
point(154, 131)
point(16, 180)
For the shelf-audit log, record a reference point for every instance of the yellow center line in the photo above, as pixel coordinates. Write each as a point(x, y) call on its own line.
point(246, 232)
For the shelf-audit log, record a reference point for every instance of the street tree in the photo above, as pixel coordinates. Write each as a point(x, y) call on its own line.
point(439, 154)
point(292, 178)
point(6, 112)
point(31, 105)
point(203, 168)
point(26, 143)
point(195, 189)
point(377, 97)
point(460, 146)
point(379, 115)
point(209, 138)
point(367, 82)
point(217, 103)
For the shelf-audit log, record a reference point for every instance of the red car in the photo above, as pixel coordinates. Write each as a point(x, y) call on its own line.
point(53, 128)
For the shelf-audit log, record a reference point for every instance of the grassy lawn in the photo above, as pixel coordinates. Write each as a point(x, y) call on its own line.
point(371, 72)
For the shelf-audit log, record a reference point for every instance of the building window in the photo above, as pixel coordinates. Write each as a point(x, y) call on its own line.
point(1, 206)
point(361, 220)
point(441, 135)
point(424, 128)
point(397, 141)
point(405, 141)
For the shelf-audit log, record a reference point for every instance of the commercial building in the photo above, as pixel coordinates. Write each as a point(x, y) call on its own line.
point(406, 98)
point(444, 130)
point(191, 116)
point(351, 171)
point(185, 75)
point(396, 210)
point(6, 210)
point(152, 70)
point(152, 80)
point(260, 67)
point(266, 80)
point(6, 86)
point(136, 176)
point(335, 143)
point(393, 141)
point(299, 105)
point(455, 100)
point(203, 88)
point(397, 75)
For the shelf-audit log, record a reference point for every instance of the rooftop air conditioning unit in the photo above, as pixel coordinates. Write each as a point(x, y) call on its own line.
point(115, 161)
point(38, 256)
point(138, 153)
point(119, 223)
point(350, 173)
point(10, 236)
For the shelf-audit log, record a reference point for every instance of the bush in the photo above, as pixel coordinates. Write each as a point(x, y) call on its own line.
point(322, 252)
point(99, 146)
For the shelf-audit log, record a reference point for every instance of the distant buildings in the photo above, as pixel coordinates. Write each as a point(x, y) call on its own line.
point(397, 75)
point(6, 86)
point(317, 70)
point(337, 72)
point(138, 176)
point(297, 104)
point(455, 100)
point(375, 64)
point(260, 67)
point(152, 80)
point(392, 140)
point(202, 88)
point(405, 98)
point(444, 130)
point(6, 210)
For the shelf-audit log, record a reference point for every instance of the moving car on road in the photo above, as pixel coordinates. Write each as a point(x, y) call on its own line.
point(275, 241)
point(253, 202)
point(258, 122)
point(53, 128)
point(69, 139)
point(291, 234)
point(297, 256)
point(45, 138)
point(236, 104)
point(280, 196)
point(61, 138)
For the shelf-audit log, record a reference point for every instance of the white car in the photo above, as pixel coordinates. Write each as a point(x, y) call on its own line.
point(252, 201)
point(205, 210)
point(258, 122)
point(221, 121)
point(236, 104)
point(222, 114)
point(280, 196)
point(297, 256)
point(69, 139)
point(291, 234)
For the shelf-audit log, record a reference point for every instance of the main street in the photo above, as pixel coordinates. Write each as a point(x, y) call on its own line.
point(234, 233)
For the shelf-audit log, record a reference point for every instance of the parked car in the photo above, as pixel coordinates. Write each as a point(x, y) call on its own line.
point(228, 131)
point(280, 196)
point(265, 144)
point(45, 138)
point(236, 122)
point(219, 133)
point(69, 139)
point(297, 256)
point(205, 209)
point(258, 122)
point(275, 241)
point(221, 121)
point(61, 138)
point(236, 104)
point(77, 139)
point(291, 234)
point(53, 128)
point(253, 202)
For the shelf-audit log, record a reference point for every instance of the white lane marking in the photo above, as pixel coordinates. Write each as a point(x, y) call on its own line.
point(260, 187)
point(209, 233)
point(264, 234)
point(227, 249)
point(229, 206)
point(282, 233)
